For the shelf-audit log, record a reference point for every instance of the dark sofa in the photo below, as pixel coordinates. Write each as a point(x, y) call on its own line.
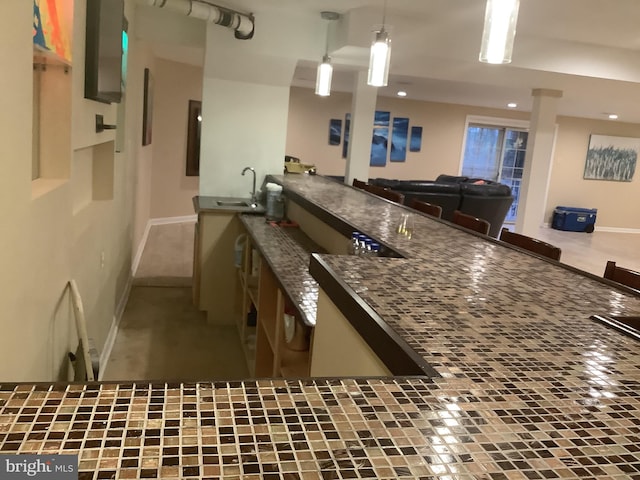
point(481, 198)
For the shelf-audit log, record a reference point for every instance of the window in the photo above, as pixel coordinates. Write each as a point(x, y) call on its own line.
point(496, 152)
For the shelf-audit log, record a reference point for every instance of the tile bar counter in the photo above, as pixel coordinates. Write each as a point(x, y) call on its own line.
point(529, 387)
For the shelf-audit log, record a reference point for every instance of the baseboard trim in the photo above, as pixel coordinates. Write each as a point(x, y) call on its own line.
point(143, 241)
point(617, 230)
point(170, 220)
point(607, 229)
point(113, 331)
point(150, 223)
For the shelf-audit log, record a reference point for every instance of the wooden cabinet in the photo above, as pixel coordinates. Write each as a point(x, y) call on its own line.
point(264, 344)
point(214, 283)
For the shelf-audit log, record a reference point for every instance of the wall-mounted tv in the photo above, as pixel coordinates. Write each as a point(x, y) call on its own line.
point(103, 56)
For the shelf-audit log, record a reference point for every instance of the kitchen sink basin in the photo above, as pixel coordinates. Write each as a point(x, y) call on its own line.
point(233, 203)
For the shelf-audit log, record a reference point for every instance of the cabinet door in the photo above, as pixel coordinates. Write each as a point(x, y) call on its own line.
point(195, 280)
point(218, 286)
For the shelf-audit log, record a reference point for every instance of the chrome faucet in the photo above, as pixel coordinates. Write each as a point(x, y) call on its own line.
point(254, 200)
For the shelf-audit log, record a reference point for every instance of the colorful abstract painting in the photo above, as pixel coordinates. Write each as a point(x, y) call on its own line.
point(399, 138)
point(52, 26)
point(380, 139)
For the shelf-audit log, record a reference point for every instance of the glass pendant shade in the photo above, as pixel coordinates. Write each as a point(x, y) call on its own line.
point(379, 59)
point(499, 32)
point(323, 77)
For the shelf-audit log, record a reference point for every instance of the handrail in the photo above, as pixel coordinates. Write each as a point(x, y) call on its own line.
point(81, 327)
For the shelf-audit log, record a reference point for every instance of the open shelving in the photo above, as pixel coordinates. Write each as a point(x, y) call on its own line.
point(264, 345)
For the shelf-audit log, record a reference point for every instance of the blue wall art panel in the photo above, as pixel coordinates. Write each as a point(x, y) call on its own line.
point(335, 131)
point(347, 127)
point(399, 137)
point(380, 139)
point(415, 144)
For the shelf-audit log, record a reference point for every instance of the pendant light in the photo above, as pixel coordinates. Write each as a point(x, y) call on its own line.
point(380, 55)
point(325, 69)
point(500, 20)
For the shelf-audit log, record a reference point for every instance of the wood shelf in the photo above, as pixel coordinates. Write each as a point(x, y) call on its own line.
point(270, 357)
point(294, 364)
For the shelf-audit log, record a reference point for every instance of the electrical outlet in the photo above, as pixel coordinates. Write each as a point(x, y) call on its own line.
point(101, 259)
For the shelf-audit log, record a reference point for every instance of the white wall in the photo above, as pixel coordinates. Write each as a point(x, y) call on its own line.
point(62, 229)
point(171, 189)
point(245, 99)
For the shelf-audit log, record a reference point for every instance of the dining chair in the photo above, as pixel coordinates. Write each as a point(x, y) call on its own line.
point(385, 193)
point(532, 244)
point(627, 277)
point(359, 184)
point(472, 223)
point(428, 208)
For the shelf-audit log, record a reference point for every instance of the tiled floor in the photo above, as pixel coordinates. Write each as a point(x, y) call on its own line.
point(591, 251)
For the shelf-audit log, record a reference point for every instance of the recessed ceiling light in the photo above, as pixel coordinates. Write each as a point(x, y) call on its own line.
point(402, 93)
point(613, 116)
point(512, 105)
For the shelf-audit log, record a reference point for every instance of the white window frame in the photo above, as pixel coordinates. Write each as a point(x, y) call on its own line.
point(489, 121)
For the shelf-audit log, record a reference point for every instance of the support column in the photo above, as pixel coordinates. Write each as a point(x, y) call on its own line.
point(538, 161)
point(363, 108)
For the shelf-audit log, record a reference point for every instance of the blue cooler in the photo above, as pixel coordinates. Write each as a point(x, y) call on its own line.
point(573, 219)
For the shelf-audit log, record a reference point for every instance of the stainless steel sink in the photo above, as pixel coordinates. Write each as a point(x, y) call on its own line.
point(233, 203)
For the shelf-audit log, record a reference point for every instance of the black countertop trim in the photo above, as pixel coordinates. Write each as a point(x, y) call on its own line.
point(390, 347)
point(276, 274)
point(337, 223)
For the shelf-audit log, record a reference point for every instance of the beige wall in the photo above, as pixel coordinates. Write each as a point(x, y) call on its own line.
point(171, 189)
point(618, 203)
point(442, 137)
point(443, 131)
point(80, 226)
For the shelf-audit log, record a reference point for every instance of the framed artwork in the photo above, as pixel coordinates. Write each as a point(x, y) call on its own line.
point(380, 139)
point(611, 158)
point(147, 110)
point(193, 138)
point(415, 144)
point(399, 138)
point(335, 131)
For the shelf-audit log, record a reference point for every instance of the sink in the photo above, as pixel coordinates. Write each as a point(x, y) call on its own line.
point(233, 203)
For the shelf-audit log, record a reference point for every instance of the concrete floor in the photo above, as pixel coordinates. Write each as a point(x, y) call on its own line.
point(162, 336)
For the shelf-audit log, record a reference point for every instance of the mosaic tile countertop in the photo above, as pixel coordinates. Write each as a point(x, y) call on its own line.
point(288, 256)
point(530, 388)
point(319, 429)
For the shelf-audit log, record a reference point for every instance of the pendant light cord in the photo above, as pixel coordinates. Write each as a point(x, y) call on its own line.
point(326, 43)
point(384, 13)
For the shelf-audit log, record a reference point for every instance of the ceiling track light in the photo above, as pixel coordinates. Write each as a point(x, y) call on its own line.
point(500, 19)
point(325, 69)
point(380, 57)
